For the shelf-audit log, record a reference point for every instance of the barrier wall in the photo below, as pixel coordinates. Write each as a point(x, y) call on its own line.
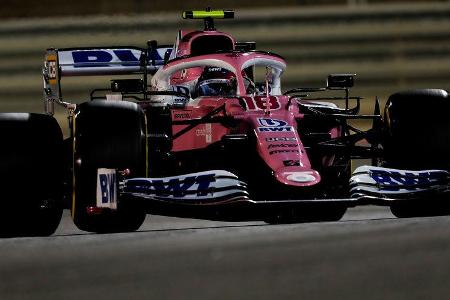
point(390, 47)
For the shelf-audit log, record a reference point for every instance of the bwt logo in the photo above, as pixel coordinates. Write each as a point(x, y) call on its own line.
point(85, 58)
point(392, 180)
point(175, 187)
point(266, 122)
point(108, 188)
point(102, 58)
point(273, 125)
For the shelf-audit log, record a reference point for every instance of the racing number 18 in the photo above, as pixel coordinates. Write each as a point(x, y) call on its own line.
point(259, 102)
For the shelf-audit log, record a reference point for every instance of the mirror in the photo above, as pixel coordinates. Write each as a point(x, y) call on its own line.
point(340, 81)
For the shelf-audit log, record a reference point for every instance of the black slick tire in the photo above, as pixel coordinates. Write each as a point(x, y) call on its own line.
point(107, 134)
point(31, 174)
point(417, 137)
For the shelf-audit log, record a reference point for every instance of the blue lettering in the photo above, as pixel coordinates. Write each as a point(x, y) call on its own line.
point(203, 183)
point(126, 56)
point(85, 58)
point(107, 187)
point(175, 187)
point(275, 129)
point(393, 180)
point(154, 55)
point(138, 186)
point(381, 177)
point(266, 122)
point(104, 187)
point(408, 179)
point(384, 178)
point(112, 187)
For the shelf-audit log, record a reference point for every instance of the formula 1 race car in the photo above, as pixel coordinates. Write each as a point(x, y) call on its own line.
point(205, 131)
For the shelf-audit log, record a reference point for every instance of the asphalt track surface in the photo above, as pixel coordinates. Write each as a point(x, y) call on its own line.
point(367, 255)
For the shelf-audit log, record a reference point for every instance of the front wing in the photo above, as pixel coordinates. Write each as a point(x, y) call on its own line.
point(220, 195)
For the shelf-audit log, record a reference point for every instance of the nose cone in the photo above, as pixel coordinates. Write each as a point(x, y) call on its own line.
point(297, 177)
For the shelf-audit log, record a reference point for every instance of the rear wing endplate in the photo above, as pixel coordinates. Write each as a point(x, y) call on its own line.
point(96, 61)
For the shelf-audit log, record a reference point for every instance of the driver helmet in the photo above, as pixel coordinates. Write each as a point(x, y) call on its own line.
point(216, 82)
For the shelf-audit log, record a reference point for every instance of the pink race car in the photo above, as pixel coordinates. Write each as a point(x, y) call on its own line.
point(213, 135)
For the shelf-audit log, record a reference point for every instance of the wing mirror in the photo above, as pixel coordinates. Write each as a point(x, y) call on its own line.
point(340, 81)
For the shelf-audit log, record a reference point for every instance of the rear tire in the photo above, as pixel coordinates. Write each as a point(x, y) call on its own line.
point(31, 174)
point(417, 137)
point(107, 134)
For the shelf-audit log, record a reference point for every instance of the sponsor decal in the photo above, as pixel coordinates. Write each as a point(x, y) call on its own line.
point(106, 188)
point(393, 180)
point(275, 129)
point(291, 163)
point(214, 69)
point(208, 136)
point(183, 115)
point(103, 57)
point(176, 187)
point(84, 58)
point(206, 131)
point(281, 139)
point(51, 70)
point(267, 122)
point(273, 125)
point(157, 135)
point(282, 151)
point(282, 146)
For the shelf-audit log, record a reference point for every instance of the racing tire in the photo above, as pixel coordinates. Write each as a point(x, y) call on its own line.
point(419, 210)
point(31, 174)
point(107, 134)
point(417, 130)
point(417, 137)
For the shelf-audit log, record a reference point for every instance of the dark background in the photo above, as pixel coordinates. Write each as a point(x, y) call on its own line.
point(48, 8)
point(390, 45)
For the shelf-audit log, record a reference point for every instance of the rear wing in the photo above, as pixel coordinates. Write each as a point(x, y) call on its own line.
point(97, 61)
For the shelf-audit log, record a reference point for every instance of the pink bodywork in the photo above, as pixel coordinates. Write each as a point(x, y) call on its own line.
point(184, 48)
point(278, 141)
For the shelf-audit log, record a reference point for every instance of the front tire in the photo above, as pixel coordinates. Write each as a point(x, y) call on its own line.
point(417, 137)
point(107, 134)
point(417, 131)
